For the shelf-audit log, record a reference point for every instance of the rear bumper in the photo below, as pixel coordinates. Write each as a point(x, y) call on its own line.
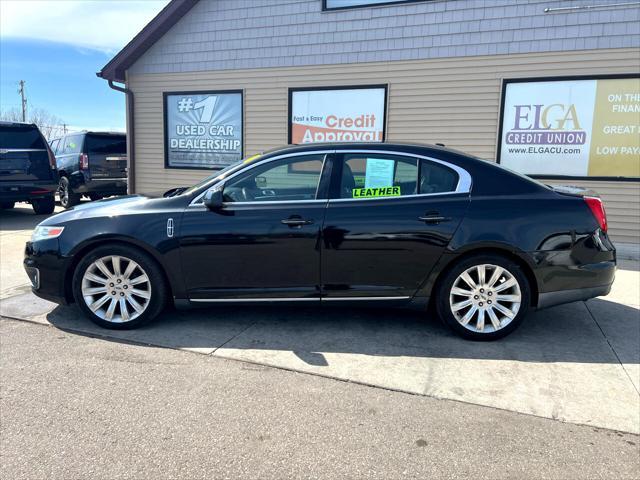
point(549, 299)
point(105, 186)
point(21, 192)
point(583, 272)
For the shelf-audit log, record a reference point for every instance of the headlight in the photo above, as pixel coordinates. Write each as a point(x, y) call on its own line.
point(45, 233)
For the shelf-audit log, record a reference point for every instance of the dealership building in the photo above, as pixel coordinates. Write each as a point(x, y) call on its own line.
point(550, 88)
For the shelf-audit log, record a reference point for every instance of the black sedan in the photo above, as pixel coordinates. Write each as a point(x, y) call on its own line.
point(365, 224)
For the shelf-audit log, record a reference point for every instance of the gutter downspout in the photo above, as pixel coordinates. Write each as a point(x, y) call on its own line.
point(131, 172)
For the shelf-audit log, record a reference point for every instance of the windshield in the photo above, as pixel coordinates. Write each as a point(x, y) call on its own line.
point(220, 174)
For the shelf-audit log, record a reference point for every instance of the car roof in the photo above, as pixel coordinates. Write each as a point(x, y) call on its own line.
point(6, 123)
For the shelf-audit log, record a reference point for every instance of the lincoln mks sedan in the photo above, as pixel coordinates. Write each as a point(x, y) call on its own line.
point(336, 224)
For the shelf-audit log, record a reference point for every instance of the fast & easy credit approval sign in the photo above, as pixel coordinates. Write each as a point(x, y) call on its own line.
point(203, 129)
point(582, 128)
point(345, 114)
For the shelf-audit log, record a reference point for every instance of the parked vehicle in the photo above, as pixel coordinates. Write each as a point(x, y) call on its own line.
point(93, 164)
point(27, 168)
point(374, 224)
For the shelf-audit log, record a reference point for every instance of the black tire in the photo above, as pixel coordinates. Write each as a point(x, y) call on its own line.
point(44, 206)
point(446, 284)
point(68, 198)
point(158, 287)
point(7, 205)
point(95, 196)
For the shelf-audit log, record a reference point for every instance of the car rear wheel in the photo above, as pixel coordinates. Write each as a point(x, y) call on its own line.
point(44, 206)
point(484, 297)
point(68, 199)
point(119, 287)
point(7, 205)
point(95, 196)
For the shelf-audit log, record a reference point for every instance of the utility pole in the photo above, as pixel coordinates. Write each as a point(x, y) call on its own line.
point(24, 101)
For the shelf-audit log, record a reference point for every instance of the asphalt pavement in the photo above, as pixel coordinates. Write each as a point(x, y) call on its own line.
point(75, 406)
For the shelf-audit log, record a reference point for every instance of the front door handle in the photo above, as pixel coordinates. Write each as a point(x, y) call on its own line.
point(296, 222)
point(433, 218)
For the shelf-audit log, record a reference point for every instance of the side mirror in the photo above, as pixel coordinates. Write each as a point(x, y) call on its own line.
point(213, 199)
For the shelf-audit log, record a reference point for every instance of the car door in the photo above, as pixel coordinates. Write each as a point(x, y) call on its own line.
point(264, 243)
point(388, 220)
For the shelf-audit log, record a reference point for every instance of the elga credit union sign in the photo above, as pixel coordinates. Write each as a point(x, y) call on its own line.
point(203, 129)
point(581, 128)
point(345, 114)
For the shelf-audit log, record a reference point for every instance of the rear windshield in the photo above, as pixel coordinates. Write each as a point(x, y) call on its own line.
point(106, 144)
point(21, 136)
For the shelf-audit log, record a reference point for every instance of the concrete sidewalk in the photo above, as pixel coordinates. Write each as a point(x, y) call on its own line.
point(577, 363)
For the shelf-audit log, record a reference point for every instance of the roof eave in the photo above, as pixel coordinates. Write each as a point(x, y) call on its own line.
point(116, 68)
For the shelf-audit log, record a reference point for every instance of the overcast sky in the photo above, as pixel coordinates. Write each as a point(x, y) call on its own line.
point(57, 46)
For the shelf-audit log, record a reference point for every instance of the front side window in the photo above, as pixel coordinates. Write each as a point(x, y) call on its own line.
point(290, 179)
point(378, 175)
point(54, 145)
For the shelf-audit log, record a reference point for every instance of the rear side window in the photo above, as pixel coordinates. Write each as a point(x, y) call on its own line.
point(436, 178)
point(21, 136)
point(72, 144)
point(106, 144)
point(378, 175)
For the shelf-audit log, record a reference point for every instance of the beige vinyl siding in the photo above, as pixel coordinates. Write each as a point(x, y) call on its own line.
point(455, 101)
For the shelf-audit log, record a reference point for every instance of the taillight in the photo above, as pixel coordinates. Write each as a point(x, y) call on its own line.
point(52, 159)
point(84, 161)
point(597, 208)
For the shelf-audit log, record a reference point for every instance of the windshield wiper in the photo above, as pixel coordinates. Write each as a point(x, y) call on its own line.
point(174, 191)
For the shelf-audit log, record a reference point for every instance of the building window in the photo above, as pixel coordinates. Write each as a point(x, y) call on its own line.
point(340, 4)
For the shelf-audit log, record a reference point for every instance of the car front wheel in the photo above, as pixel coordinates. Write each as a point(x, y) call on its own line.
point(484, 297)
point(119, 287)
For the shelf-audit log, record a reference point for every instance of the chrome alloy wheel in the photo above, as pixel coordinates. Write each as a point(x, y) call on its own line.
point(485, 298)
point(116, 289)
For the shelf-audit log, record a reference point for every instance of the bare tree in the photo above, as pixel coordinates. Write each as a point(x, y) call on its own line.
point(50, 125)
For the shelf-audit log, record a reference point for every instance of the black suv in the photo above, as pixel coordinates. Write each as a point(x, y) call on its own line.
point(27, 168)
point(93, 164)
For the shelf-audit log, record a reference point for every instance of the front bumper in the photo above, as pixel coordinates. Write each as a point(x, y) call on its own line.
point(46, 271)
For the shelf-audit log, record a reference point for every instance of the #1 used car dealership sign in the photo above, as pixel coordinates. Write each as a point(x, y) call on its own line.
point(573, 127)
point(203, 129)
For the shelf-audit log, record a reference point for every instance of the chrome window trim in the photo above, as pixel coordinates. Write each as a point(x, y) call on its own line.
point(464, 179)
point(196, 201)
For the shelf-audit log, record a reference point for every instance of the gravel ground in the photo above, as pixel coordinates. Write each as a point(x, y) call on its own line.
point(73, 406)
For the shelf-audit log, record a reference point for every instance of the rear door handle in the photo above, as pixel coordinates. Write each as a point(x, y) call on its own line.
point(433, 219)
point(296, 222)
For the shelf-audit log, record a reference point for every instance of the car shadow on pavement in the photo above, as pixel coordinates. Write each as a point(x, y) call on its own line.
point(568, 333)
